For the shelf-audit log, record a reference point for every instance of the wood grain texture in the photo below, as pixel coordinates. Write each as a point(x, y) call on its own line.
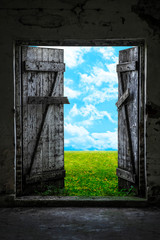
point(123, 98)
point(125, 67)
point(49, 152)
point(48, 100)
point(45, 176)
point(128, 117)
point(125, 175)
point(44, 66)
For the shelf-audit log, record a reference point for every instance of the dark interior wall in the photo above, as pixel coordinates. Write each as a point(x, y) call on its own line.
point(80, 19)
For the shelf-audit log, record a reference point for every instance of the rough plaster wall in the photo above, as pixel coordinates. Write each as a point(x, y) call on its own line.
point(73, 19)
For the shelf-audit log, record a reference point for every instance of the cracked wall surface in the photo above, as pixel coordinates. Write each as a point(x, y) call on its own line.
point(76, 19)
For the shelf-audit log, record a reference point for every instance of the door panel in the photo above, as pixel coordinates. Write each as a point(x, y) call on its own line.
point(128, 113)
point(43, 133)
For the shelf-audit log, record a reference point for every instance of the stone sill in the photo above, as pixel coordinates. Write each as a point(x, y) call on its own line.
point(73, 201)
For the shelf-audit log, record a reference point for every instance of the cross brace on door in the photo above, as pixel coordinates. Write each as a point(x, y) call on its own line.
point(47, 101)
point(125, 67)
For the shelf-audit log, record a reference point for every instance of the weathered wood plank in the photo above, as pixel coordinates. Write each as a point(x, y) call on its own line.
point(56, 90)
point(37, 168)
point(44, 66)
point(48, 100)
point(129, 66)
point(46, 176)
point(128, 55)
point(47, 83)
point(122, 98)
point(41, 128)
point(128, 117)
point(125, 175)
point(46, 154)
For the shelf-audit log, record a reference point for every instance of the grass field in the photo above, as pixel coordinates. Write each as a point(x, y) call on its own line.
point(89, 173)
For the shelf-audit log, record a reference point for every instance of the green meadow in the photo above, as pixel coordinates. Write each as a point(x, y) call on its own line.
point(89, 173)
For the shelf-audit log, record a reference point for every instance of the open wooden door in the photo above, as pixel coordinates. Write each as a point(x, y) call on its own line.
point(42, 117)
point(128, 112)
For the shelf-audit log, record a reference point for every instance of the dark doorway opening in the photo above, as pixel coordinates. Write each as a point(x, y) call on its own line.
point(20, 67)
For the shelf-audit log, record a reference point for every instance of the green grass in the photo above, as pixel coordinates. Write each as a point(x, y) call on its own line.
point(90, 173)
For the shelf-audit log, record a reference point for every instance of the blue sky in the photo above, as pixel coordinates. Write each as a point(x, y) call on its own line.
point(91, 85)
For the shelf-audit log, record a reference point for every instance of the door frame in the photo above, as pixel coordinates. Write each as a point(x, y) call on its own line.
point(77, 42)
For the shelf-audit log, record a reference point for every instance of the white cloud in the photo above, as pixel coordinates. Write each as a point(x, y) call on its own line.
point(99, 76)
point(75, 130)
point(94, 113)
point(89, 111)
point(80, 138)
point(74, 111)
point(66, 141)
point(107, 52)
point(73, 56)
point(70, 93)
point(110, 137)
point(68, 81)
point(112, 68)
point(115, 59)
point(92, 82)
point(100, 96)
